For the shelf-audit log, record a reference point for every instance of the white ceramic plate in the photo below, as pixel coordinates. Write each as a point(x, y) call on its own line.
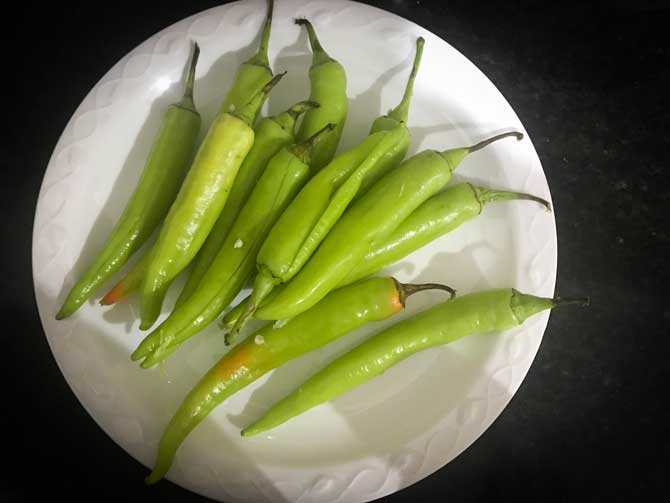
point(390, 432)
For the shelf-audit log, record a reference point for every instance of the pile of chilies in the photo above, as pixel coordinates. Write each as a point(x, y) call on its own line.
point(274, 201)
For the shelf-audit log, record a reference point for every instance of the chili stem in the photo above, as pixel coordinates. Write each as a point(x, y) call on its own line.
point(190, 80)
point(402, 110)
point(488, 141)
point(489, 195)
point(248, 112)
point(319, 54)
point(301, 107)
point(406, 290)
point(565, 301)
point(261, 56)
point(303, 151)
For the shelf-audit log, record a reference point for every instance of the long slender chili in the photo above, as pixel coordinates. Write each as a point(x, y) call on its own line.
point(199, 202)
point(285, 174)
point(163, 173)
point(369, 220)
point(437, 216)
point(329, 88)
point(444, 323)
point(271, 134)
point(309, 218)
point(338, 313)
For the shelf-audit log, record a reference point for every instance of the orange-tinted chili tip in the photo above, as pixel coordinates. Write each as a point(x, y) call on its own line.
point(116, 294)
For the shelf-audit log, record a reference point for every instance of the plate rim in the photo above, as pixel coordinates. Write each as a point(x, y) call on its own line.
point(335, 5)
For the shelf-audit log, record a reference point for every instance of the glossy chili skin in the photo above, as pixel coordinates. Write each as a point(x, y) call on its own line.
point(480, 312)
point(249, 80)
point(321, 203)
point(337, 314)
point(165, 168)
point(199, 202)
point(369, 220)
point(271, 135)
point(285, 174)
point(437, 216)
point(253, 74)
point(309, 218)
point(316, 209)
point(373, 217)
point(328, 83)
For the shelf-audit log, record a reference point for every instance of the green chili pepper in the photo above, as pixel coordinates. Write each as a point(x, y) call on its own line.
point(314, 211)
point(283, 177)
point(328, 88)
point(338, 313)
point(271, 134)
point(368, 221)
point(199, 202)
point(437, 216)
point(444, 323)
point(163, 173)
point(253, 74)
point(249, 80)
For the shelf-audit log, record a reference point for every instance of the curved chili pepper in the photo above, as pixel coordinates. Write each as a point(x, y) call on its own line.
point(163, 173)
point(437, 216)
point(328, 88)
point(271, 134)
point(309, 218)
point(285, 174)
point(444, 323)
point(337, 314)
point(371, 219)
point(253, 74)
point(199, 201)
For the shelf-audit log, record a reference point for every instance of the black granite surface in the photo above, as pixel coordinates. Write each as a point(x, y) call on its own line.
point(591, 84)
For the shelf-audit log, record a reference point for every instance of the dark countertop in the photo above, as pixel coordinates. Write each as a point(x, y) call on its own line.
point(591, 84)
